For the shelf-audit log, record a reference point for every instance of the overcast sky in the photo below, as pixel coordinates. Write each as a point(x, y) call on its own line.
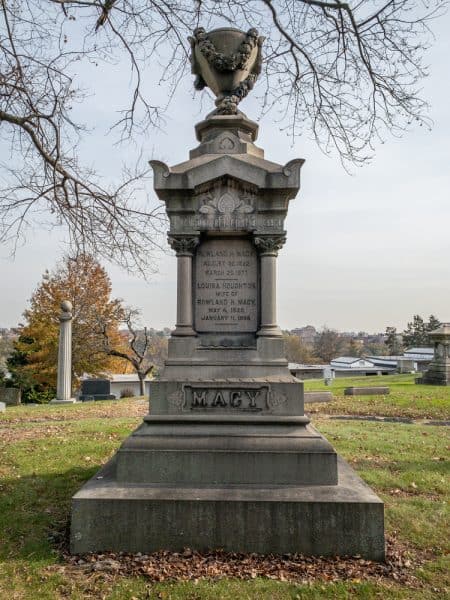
point(363, 251)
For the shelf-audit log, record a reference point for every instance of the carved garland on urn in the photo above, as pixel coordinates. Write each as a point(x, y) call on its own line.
point(184, 245)
point(222, 63)
point(269, 244)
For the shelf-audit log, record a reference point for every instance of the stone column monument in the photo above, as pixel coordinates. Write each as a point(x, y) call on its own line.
point(64, 379)
point(438, 372)
point(226, 457)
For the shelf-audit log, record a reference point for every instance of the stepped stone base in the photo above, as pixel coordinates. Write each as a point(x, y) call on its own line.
point(436, 375)
point(329, 520)
point(226, 450)
point(232, 464)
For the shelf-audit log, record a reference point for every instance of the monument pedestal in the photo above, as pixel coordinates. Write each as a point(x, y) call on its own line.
point(438, 372)
point(226, 457)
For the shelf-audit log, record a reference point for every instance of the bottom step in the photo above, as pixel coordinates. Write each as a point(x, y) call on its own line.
point(343, 519)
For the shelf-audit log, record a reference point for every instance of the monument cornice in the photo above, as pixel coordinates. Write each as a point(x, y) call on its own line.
point(249, 169)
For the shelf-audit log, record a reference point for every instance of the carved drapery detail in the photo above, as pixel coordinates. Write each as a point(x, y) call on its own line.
point(269, 244)
point(184, 245)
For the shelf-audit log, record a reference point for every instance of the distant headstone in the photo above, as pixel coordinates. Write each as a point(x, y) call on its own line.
point(10, 396)
point(366, 391)
point(405, 365)
point(2, 407)
point(311, 397)
point(96, 389)
point(328, 375)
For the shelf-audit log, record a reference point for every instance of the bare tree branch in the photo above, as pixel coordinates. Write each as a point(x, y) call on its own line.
point(142, 350)
point(347, 73)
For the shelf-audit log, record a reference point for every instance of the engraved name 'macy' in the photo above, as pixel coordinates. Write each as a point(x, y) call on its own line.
point(241, 399)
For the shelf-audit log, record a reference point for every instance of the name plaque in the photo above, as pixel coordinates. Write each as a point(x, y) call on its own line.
point(226, 286)
point(202, 398)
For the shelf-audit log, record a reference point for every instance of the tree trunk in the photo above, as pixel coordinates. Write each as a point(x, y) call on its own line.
point(142, 383)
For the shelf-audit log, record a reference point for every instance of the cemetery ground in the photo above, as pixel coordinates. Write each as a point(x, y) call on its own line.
point(47, 452)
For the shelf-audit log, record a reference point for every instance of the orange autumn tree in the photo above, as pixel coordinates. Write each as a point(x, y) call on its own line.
point(84, 282)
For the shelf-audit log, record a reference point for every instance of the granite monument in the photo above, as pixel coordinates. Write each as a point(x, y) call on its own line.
point(226, 457)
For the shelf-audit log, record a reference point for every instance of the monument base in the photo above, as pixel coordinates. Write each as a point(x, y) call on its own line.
point(231, 464)
point(436, 375)
point(328, 520)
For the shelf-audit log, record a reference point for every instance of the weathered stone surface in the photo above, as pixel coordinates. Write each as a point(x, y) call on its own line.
point(367, 391)
point(10, 396)
point(343, 519)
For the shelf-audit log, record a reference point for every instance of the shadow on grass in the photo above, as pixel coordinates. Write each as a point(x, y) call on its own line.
point(35, 513)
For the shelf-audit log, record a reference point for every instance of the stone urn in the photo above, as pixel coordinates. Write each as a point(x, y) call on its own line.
point(228, 61)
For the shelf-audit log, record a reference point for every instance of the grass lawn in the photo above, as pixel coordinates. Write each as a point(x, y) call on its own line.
point(47, 452)
point(406, 399)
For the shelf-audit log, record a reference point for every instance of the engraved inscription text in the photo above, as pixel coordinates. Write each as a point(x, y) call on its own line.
point(226, 286)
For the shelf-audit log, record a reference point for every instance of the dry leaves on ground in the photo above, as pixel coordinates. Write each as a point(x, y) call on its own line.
point(190, 565)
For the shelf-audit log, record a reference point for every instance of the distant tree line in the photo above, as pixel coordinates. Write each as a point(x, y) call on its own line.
point(330, 343)
point(416, 334)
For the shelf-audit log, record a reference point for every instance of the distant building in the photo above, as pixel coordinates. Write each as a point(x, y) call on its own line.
point(350, 362)
point(120, 383)
point(344, 366)
point(424, 353)
point(8, 333)
point(307, 334)
point(413, 359)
